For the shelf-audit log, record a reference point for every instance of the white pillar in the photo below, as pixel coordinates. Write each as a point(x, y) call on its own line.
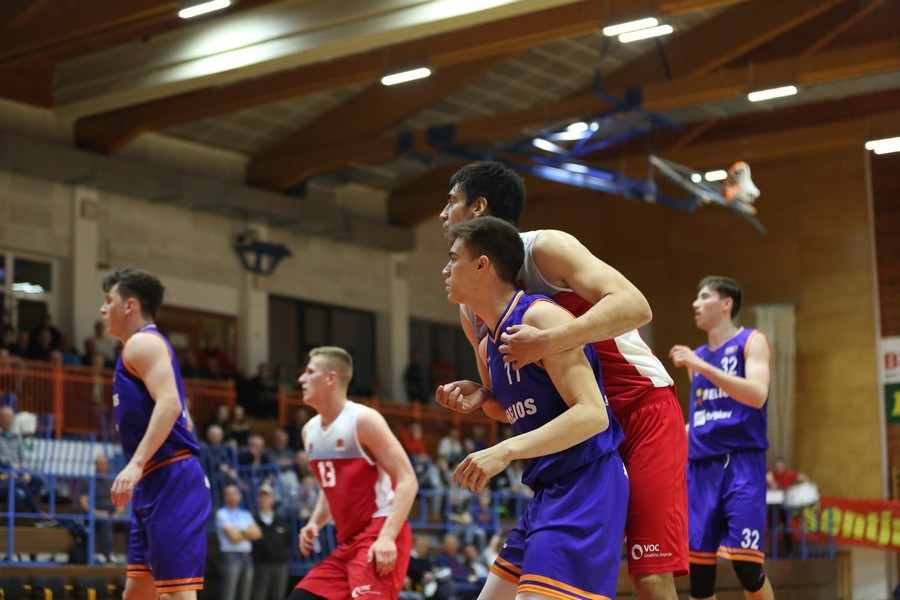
point(86, 278)
point(398, 324)
point(253, 326)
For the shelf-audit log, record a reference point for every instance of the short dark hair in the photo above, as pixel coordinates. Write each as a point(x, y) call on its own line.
point(502, 187)
point(726, 287)
point(137, 283)
point(495, 238)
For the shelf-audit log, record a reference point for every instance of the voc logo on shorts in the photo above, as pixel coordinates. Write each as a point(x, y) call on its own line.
point(364, 590)
point(639, 551)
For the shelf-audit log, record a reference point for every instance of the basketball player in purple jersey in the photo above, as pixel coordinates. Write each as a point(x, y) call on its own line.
point(163, 480)
point(568, 542)
point(726, 443)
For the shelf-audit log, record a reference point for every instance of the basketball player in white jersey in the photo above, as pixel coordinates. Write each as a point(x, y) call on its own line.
point(368, 487)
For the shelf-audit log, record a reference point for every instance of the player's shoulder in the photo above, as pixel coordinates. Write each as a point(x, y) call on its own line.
point(144, 344)
point(543, 313)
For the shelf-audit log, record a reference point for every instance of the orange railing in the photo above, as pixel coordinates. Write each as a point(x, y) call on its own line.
point(80, 397)
point(434, 419)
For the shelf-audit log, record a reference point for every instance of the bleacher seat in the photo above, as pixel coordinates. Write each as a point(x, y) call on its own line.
point(13, 588)
point(92, 588)
point(49, 586)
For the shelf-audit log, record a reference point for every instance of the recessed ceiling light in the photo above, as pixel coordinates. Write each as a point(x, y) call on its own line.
point(195, 10)
point(779, 92)
point(404, 76)
point(643, 34)
point(614, 30)
point(885, 146)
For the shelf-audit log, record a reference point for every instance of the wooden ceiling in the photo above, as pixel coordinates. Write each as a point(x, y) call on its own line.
point(89, 61)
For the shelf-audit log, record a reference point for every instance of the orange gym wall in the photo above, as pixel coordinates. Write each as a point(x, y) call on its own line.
point(817, 255)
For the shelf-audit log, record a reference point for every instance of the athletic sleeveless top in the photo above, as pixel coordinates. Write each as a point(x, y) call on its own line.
point(357, 489)
point(531, 400)
point(630, 368)
point(718, 423)
point(133, 406)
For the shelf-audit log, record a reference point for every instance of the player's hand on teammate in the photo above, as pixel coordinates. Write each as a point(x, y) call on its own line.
point(123, 486)
point(309, 535)
point(523, 345)
point(461, 396)
point(384, 552)
point(476, 469)
point(683, 356)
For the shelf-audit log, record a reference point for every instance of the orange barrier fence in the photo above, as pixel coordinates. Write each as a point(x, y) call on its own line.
point(80, 397)
point(435, 420)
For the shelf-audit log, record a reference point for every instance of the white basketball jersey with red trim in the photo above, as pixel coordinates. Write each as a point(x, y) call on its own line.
point(357, 489)
point(629, 368)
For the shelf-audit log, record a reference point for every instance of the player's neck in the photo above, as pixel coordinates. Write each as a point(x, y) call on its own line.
point(721, 333)
point(492, 306)
point(330, 410)
point(133, 327)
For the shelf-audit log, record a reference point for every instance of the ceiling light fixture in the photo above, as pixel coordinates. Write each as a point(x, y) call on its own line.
point(885, 146)
point(643, 34)
point(779, 92)
point(195, 10)
point(614, 30)
point(717, 175)
point(404, 76)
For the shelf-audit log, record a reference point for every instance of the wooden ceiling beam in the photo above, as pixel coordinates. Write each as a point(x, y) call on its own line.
point(851, 63)
point(16, 11)
point(384, 107)
point(109, 131)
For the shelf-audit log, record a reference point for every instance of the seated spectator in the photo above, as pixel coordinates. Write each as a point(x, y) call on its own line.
point(41, 345)
point(23, 343)
point(780, 477)
point(292, 479)
point(413, 380)
point(236, 531)
point(468, 586)
point(8, 339)
point(211, 355)
point(102, 343)
point(441, 371)
point(107, 516)
point(295, 428)
point(218, 459)
point(265, 392)
point(450, 447)
point(424, 576)
point(473, 562)
point(27, 486)
point(220, 417)
point(238, 427)
point(190, 368)
point(460, 519)
point(67, 351)
point(484, 515)
point(256, 461)
point(281, 451)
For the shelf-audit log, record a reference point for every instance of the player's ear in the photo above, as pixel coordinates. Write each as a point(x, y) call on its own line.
point(480, 206)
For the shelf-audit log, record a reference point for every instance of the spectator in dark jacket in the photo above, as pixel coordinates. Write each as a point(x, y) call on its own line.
point(271, 551)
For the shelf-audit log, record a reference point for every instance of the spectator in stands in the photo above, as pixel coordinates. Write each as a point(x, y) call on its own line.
point(270, 551)
point(256, 461)
point(306, 498)
point(780, 477)
point(190, 369)
point(237, 531)
point(209, 351)
point(424, 576)
point(284, 379)
point(219, 459)
point(238, 427)
point(412, 379)
point(441, 370)
point(41, 344)
point(47, 324)
point(265, 392)
point(27, 486)
point(105, 512)
point(281, 450)
point(484, 516)
point(8, 340)
point(468, 586)
point(220, 417)
point(473, 562)
point(23, 343)
point(102, 343)
point(67, 350)
point(450, 447)
point(295, 427)
point(460, 518)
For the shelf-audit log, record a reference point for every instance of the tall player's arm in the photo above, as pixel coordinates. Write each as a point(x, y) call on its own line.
point(576, 383)
point(380, 443)
point(148, 357)
point(752, 389)
point(618, 306)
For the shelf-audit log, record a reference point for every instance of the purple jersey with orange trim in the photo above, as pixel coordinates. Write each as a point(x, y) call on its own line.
point(531, 400)
point(133, 406)
point(720, 424)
